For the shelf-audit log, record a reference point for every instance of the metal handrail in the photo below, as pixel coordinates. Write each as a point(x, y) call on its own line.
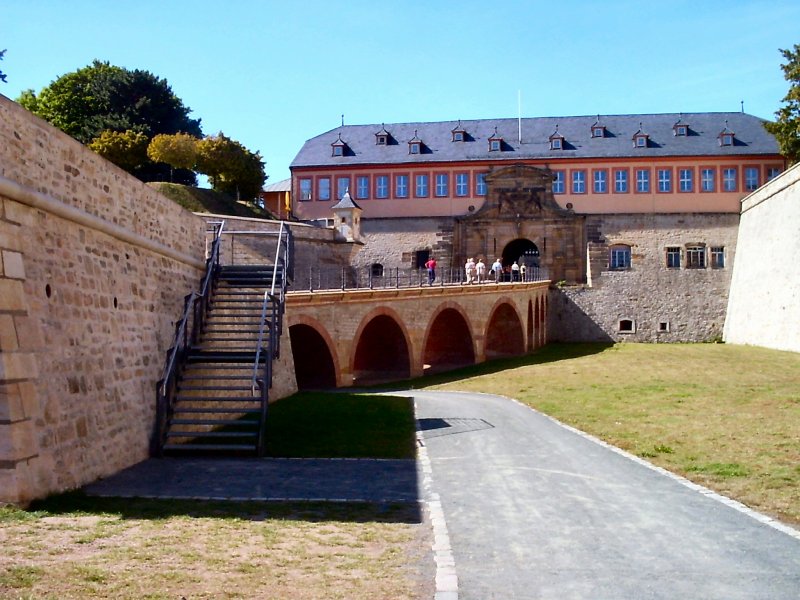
point(272, 304)
point(195, 305)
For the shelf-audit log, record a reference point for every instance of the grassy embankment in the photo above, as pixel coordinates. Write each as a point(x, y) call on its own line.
point(208, 201)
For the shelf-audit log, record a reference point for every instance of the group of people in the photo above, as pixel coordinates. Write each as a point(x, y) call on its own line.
point(476, 271)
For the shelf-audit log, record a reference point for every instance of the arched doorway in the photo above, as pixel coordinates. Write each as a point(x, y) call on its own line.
point(522, 251)
point(381, 352)
point(313, 363)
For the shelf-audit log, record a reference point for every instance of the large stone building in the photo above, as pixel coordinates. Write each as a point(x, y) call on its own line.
point(635, 215)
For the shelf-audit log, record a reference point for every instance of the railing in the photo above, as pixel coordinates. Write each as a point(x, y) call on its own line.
point(186, 332)
point(342, 278)
point(272, 316)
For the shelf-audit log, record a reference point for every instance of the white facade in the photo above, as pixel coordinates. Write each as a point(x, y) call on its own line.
point(764, 305)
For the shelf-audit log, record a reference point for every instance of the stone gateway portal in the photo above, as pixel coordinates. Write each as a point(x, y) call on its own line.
point(522, 221)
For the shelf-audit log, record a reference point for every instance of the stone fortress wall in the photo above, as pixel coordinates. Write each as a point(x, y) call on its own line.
point(764, 307)
point(94, 269)
point(661, 304)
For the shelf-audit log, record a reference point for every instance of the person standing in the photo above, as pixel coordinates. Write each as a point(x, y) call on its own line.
point(514, 271)
point(480, 269)
point(431, 266)
point(497, 269)
point(523, 268)
point(469, 270)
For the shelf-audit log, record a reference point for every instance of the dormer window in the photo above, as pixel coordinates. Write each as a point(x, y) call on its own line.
point(415, 144)
point(726, 136)
point(598, 130)
point(495, 142)
point(681, 130)
point(459, 133)
point(338, 147)
point(382, 137)
point(556, 140)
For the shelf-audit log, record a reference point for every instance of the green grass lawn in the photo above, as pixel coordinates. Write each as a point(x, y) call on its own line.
point(341, 425)
point(725, 416)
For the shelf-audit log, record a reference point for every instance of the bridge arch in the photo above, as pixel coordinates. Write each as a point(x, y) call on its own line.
point(315, 360)
point(449, 341)
point(504, 332)
point(381, 348)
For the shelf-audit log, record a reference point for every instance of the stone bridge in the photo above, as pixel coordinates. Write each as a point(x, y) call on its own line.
point(353, 337)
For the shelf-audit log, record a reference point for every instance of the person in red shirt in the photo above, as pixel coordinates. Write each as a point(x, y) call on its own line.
point(431, 266)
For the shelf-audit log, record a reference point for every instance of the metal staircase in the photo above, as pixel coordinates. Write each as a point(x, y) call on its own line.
point(214, 395)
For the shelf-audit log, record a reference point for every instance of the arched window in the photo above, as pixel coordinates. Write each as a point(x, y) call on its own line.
point(377, 270)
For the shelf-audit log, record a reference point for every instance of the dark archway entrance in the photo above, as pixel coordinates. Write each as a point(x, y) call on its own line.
point(522, 251)
point(382, 352)
point(313, 363)
point(449, 343)
point(505, 334)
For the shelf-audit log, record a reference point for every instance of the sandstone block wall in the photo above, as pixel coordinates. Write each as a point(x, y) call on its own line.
point(663, 304)
point(764, 307)
point(94, 269)
point(393, 242)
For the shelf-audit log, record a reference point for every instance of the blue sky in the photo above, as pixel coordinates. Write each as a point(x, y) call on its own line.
point(273, 74)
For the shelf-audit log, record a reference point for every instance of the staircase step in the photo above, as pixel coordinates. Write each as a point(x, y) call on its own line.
point(249, 447)
point(190, 377)
point(185, 398)
point(221, 356)
point(243, 423)
point(230, 388)
point(216, 411)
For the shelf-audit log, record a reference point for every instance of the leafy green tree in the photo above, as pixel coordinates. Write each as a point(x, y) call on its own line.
point(2, 75)
point(231, 168)
point(126, 149)
point(786, 128)
point(179, 151)
point(103, 97)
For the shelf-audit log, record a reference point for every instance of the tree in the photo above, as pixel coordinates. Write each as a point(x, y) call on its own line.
point(230, 167)
point(2, 75)
point(102, 97)
point(786, 127)
point(179, 151)
point(126, 149)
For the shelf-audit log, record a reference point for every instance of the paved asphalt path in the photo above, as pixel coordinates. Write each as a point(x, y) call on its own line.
point(535, 510)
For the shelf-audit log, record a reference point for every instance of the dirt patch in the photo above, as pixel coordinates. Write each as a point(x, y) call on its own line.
point(279, 552)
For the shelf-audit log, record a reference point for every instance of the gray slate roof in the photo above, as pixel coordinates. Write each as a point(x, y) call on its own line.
point(704, 129)
point(284, 185)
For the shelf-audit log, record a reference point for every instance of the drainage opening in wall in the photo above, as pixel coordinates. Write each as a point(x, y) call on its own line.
point(663, 327)
point(627, 326)
point(48, 291)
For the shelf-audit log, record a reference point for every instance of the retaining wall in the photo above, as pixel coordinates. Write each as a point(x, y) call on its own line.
point(94, 269)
